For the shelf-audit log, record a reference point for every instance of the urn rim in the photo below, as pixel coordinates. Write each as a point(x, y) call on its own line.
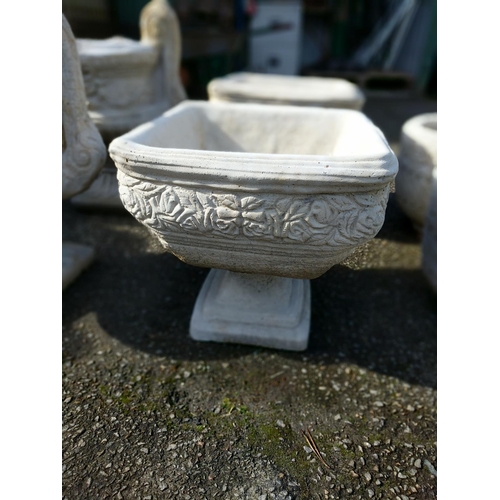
point(244, 170)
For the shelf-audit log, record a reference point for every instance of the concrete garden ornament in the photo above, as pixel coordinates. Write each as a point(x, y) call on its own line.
point(417, 159)
point(268, 196)
point(130, 82)
point(429, 237)
point(83, 150)
point(282, 89)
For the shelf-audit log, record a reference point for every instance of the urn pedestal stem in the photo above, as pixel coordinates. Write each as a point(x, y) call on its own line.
point(267, 311)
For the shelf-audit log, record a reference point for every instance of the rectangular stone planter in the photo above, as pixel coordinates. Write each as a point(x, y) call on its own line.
point(283, 89)
point(129, 82)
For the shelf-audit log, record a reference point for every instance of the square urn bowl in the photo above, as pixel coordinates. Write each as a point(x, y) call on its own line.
point(267, 196)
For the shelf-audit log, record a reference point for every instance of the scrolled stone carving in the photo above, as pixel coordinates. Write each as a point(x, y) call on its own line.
point(83, 150)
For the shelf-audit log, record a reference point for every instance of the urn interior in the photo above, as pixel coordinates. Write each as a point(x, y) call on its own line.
point(255, 129)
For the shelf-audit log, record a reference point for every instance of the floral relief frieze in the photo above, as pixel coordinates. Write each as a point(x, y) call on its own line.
point(335, 219)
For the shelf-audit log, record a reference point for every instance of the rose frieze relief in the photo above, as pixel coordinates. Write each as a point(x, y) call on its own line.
point(339, 219)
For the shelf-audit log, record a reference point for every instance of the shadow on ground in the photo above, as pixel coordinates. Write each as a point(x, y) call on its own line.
point(381, 319)
point(398, 226)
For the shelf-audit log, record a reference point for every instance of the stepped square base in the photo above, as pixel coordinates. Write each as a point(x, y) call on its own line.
point(253, 309)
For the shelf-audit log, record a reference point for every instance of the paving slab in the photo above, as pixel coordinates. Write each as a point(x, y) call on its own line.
point(149, 413)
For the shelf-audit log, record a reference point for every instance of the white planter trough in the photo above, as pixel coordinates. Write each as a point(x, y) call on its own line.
point(282, 89)
point(130, 82)
point(417, 160)
point(268, 196)
point(83, 150)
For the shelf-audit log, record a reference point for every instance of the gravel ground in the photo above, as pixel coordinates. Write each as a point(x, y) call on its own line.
point(150, 414)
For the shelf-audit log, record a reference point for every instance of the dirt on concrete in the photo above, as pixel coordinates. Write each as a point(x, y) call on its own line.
point(150, 414)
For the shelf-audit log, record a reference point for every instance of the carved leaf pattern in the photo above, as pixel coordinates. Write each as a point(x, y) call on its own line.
point(318, 220)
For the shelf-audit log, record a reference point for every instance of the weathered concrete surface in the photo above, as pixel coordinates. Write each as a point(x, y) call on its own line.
point(150, 413)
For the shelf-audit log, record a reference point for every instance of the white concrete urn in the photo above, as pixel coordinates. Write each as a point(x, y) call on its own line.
point(267, 196)
point(130, 82)
point(417, 161)
point(283, 89)
point(83, 150)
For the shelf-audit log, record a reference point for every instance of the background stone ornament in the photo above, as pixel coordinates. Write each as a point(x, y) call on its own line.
point(417, 159)
point(429, 237)
point(160, 28)
point(273, 195)
point(283, 89)
point(83, 150)
point(130, 82)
